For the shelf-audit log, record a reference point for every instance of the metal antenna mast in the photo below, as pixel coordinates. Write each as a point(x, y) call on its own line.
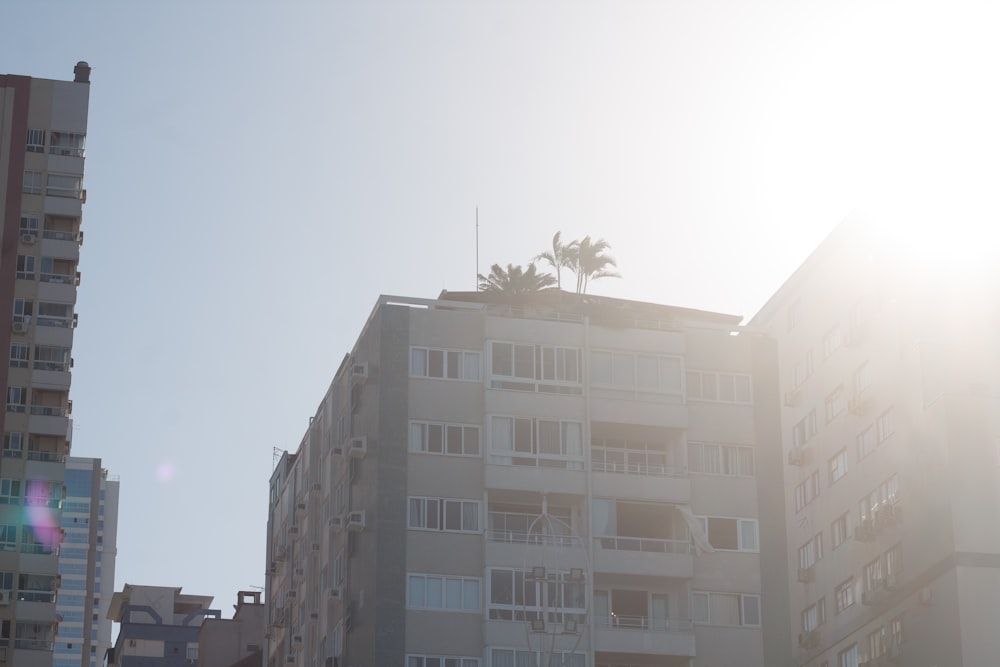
point(477, 248)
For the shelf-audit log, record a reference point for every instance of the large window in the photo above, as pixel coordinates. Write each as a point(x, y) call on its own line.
point(880, 499)
point(848, 657)
point(511, 657)
point(8, 537)
point(529, 367)
point(529, 595)
point(17, 399)
point(440, 438)
point(439, 592)
point(32, 183)
point(10, 491)
point(840, 529)
point(719, 387)
point(13, 444)
point(713, 459)
point(36, 141)
point(428, 362)
point(63, 185)
point(25, 267)
point(814, 615)
point(446, 514)
point(725, 608)
point(811, 551)
point(844, 594)
point(528, 441)
point(67, 143)
point(838, 465)
point(440, 661)
point(51, 358)
point(727, 534)
point(37, 587)
point(630, 374)
point(19, 355)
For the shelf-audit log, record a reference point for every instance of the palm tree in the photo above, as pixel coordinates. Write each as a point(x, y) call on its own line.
point(590, 262)
point(514, 280)
point(560, 256)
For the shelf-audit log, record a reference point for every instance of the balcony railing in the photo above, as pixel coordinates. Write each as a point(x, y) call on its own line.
point(651, 469)
point(519, 528)
point(33, 644)
point(60, 278)
point(49, 321)
point(57, 235)
point(645, 544)
point(35, 455)
point(49, 410)
point(51, 365)
point(643, 623)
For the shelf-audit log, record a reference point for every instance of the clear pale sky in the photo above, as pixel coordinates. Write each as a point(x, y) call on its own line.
point(258, 173)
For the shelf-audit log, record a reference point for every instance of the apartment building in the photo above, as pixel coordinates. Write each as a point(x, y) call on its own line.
point(891, 434)
point(43, 127)
point(86, 564)
point(159, 626)
point(236, 641)
point(549, 479)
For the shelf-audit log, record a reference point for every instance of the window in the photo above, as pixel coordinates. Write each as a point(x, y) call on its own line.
point(861, 379)
point(57, 315)
point(834, 403)
point(51, 358)
point(529, 367)
point(814, 615)
point(66, 143)
point(444, 514)
point(730, 534)
point(25, 267)
point(712, 459)
point(880, 499)
point(520, 595)
point(37, 587)
point(438, 438)
point(877, 643)
point(36, 141)
point(831, 341)
point(896, 630)
point(43, 492)
point(536, 442)
point(873, 574)
point(725, 608)
point(840, 529)
point(426, 591)
point(29, 223)
point(63, 185)
point(445, 364)
point(10, 491)
point(636, 375)
point(13, 445)
point(804, 430)
point(807, 491)
point(440, 661)
point(811, 551)
point(509, 657)
point(838, 465)
point(19, 355)
point(884, 426)
point(844, 594)
point(719, 387)
point(33, 635)
point(894, 560)
point(848, 657)
point(22, 311)
point(8, 537)
point(17, 398)
point(794, 314)
point(32, 183)
point(866, 442)
point(804, 369)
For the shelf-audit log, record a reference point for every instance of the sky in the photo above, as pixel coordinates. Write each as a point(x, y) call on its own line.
point(258, 173)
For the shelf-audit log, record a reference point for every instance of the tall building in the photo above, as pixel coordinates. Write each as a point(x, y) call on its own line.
point(86, 564)
point(43, 127)
point(550, 479)
point(891, 435)
point(159, 626)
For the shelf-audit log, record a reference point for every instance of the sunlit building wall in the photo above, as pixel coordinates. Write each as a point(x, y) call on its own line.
point(86, 564)
point(556, 480)
point(43, 126)
point(890, 377)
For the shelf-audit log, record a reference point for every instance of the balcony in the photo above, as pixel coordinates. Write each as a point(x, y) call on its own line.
point(644, 556)
point(645, 635)
point(514, 538)
point(58, 291)
point(557, 477)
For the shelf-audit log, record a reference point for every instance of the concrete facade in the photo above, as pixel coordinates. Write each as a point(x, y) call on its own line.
point(556, 480)
point(86, 564)
point(236, 641)
point(891, 430)
point(43, 127)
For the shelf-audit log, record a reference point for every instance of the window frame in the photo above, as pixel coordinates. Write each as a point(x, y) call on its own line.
point(440, 508)
point(442, 581)
point(469, 363)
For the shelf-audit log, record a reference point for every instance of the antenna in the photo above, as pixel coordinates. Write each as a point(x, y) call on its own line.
point(477, 248)
point(276, 456)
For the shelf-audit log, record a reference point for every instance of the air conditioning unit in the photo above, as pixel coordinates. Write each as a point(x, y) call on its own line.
point(356, 520)
point(28, 239)
point(338, 450)
point(799, 456)
point(295, 532)
point(316, 487)
point(314, 617)
point(809, 639)
point(806, 575)
point(359, 447)
point(4, 597)
point(289, 659)
point(865, 532)
point(891, 582)
point(299, 573)
point(300, 509)
point(359, 372)
point(337, 522)
point(273, 568)
point(292, 594)
point(335, 593)
point(297, 640)
point(315, 548)
point(792, 398)
point(20, 327)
